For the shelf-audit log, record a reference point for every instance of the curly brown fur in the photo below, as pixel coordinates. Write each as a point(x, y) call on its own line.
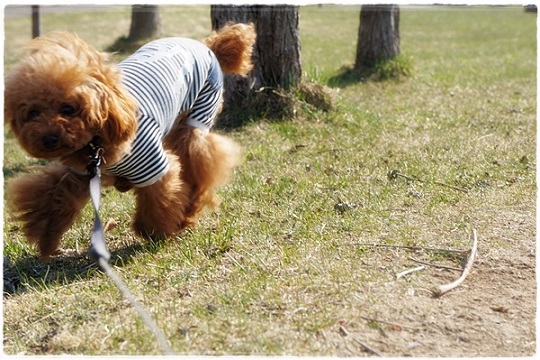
point(161, 208)
point(47, 203)
point(208, 161)
point(233, 46)
point(63, 95)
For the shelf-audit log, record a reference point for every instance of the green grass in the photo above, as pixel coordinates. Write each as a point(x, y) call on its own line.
point(279, 266)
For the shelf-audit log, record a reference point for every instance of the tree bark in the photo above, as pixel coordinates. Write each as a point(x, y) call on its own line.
point(36, 21)
point(276, 53)
point(378, 35)
point(145, 22)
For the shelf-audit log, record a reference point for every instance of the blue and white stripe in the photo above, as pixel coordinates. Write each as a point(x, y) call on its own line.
point(168, 77)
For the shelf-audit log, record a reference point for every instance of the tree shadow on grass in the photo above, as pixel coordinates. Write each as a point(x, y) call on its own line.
point(348, 76)
point(29, 272)
point(124, 46)
point(396, 69)
point(276, 105)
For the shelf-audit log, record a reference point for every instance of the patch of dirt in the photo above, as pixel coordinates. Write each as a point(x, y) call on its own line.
point(491, 314)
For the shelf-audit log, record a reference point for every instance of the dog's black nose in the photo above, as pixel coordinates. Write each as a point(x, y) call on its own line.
point(50, 141)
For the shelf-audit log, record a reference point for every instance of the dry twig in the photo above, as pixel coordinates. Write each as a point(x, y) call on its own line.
point(394, 174)
point(110, 225)
point(382, 322)
point(414, 248)
point(409, 271)
point(435, 265)
point(442, 289)
point(345, 332)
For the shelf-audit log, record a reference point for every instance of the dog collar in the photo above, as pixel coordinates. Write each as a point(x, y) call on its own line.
point(94, 153)
point(96, 156)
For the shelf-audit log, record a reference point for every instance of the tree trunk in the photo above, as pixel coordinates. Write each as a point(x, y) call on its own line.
point(378, 35)
point(36, 21)
point(145, 22)
point(276, 53)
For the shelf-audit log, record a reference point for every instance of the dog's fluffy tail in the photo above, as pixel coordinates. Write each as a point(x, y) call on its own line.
point(233, 46)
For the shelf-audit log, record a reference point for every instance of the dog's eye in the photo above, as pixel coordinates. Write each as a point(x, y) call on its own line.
point(32, 114)
point(67, 110)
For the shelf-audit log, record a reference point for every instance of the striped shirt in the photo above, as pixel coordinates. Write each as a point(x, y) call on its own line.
point(167, 77)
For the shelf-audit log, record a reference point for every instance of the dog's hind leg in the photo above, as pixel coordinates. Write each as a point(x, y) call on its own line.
point(47, 203)
point(208, 161)
point(161, 206)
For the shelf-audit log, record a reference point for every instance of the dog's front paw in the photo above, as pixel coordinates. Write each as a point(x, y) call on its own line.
point(47, 203)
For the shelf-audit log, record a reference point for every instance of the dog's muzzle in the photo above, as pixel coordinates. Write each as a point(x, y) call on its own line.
point(50, 142)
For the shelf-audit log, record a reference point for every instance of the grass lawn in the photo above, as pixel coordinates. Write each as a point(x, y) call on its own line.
point(283, 268)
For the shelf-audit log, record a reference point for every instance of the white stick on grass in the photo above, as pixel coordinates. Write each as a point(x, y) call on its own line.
point(442, 289)
point(409, 271)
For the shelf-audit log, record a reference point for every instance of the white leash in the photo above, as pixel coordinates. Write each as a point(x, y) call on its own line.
point(98, 250)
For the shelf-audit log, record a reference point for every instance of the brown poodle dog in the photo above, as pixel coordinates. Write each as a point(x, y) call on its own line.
point(151, 114)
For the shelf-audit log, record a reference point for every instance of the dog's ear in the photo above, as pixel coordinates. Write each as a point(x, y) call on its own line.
point(121, 123)
point(119, 110)
point(111, 109)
